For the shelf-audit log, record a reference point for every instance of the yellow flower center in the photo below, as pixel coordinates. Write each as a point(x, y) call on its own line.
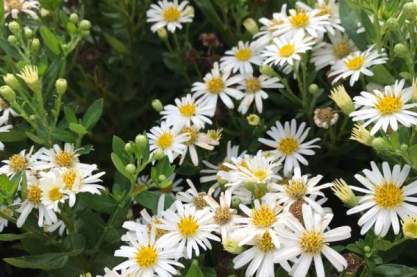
point(171, 14)
point(296, 189)
point(311, 242)
point(17, 163)
point(215, 85)
point(146, 256)
point(243, 54)
point(55, 194)
point(342, 49)
point(263, 217)
point(253, 85)
point(64, 159)
point(324, 10)
point(388, 196)
point(355, 63)
point(286, 50)
point(300, 19)
point(287, 146)
point(199, 201)
point(260, 174)
point(410, 227)
point(222, 216)
point(264, 242)
point(192, 134)
point(68, 178)
point(188, 226)
point(389, 104)
point(187, 110)
point(34, 194)
point(165, 140)
point(14, 4)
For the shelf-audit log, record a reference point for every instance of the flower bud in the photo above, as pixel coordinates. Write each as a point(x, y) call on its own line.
point(45, 12)
point(130, 168)
point(61, 86)
point(162, 33)
point(162, 178)
point(28, 32)
point(414, 90)
point(367, 249)
point(85, 25)
point(392, 24)
point(157, 105)
point(189, 11)
point(251, 26)
point(35, 44)
point(232, 246)
point(235, 202)
point(141, 140)
point(12, 39)
point(379, 144)
point(268, 70)
point(344, 193)
point(253, 119)
point(74, 18)
point(158, 155)
point(8, 93)
point(410, 11)
point(361, 135)
point(409, 226)
point(12, 81)
point(401, 50)
point(404, 147)
point(342, 99)
point(313, 89)
point(128, 147)
point(14, 27)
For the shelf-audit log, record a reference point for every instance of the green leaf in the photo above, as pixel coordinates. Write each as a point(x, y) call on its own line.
point(149, 199)
point(51, 41)
point(13, 135)
point(8, 187)
point(45, 261)
point(116, 44)
point(102, 203)
point(78, 129)
point(2, 15)
point(63, 135)
point(120, 166)
point(118, 146)
point(394, 270)
point(93, 114)
point(34, 138)
point(382, 75)
point(70, 116)
point(349, 18)
point(194, 270)
point(12, 237)
point(53, 72)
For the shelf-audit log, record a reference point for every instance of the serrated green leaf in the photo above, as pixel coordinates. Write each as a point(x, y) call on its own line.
point(45, 261)
point(93, 114)
point(51, 41)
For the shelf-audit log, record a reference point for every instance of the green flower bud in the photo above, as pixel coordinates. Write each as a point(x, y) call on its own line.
point(162, 178)
point(157, 105)
point(235, 202)
point(61, 86)
point(379, 144)
point(410, 11)
point(158, 155)
point(8, 93)
point(251, 26)
point(404, 147)
point(28, 32)
point(74, 18)
point(35, 44)
point(313, 89)
point(12, 81)
point(128, 147)
point(162, 33)
point(141, 140)
point(12, 39)
point(32, 117)
point(392, 24)
point(130, 168)
point(85, 25)
point(45, 12)
point(232, 246)
point(367, 249)
point(268, 70)
point(14, 27)
point(253, 119)
point(401, 50)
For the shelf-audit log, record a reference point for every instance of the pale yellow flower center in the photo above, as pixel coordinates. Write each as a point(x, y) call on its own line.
point(311, 242)
point(14, 4)
point(165, 140)
point(188, 109)
point(410, 227)
point(260, 174)
point(34, 194)
point(324, 10)
point(68, 178)
point(171, 14)
point(64, 158)
point(287, 146)
point(222, 216)
point(199, 201)
point(263, 217)
point(146, 256)
point(188, 226)
point(243, 54)
point(342, 49)
point(192, 134)
point(264, 242)
point(388, 196)
point(296, 189)
point(17, 163)
point(300, 19)
point(253, 85)
point(215, 85)
point(355, 63)
point(55, 194)
point(389, 104)
point(287, 50)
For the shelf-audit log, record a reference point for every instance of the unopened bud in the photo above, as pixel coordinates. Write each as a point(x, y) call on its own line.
point(251, 26)
point(128, 147)
point(14, 27)
point(158, 154)
point(12, 81)
point(157, 105)
point(232, 246)
point(35, 44)
point(313, 89)
point(410, 11)
point(131, 168)
point(344, 193)
point(141, 139)
point(379, 144)
point(253, 119)
point(61, 86)
point(162, 33)
point(12, 39)
point(28, 32)
point(392, 24)
point(189, 11)
point(74, 18)
point(235, 202)
point(401, 50)
point(268, 70)
point(45, 12)
point(85, 25)
point(8, 93)
point(162, 178)
point(85, 33)
point(410, 227)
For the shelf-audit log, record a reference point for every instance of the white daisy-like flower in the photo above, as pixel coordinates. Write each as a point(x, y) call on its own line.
point(147, 256)
point(270, 26)
point(325, 54)
point(218, 83)
point(224, 215)
point(286, 51)
point(53, 191)
point(264, 217)
point(323, 8)
point(305, 23)
point(169, 14)
point(112, 273)
point(6, 111)
point(196, 138)
point(241, 58)
point(164, 138)
point(386, 108)
point(23, 161)
point(34, 201)
point(188, 229)
point(308, 241)
point(386, 198)
point(192, 197)
point(260, 257)
point(356, 64)
point(59, 158)
point(4, 129)
point(289, 143)
point(254, 91)
point(14, 7)
point(301, 188)
point(188, 111)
